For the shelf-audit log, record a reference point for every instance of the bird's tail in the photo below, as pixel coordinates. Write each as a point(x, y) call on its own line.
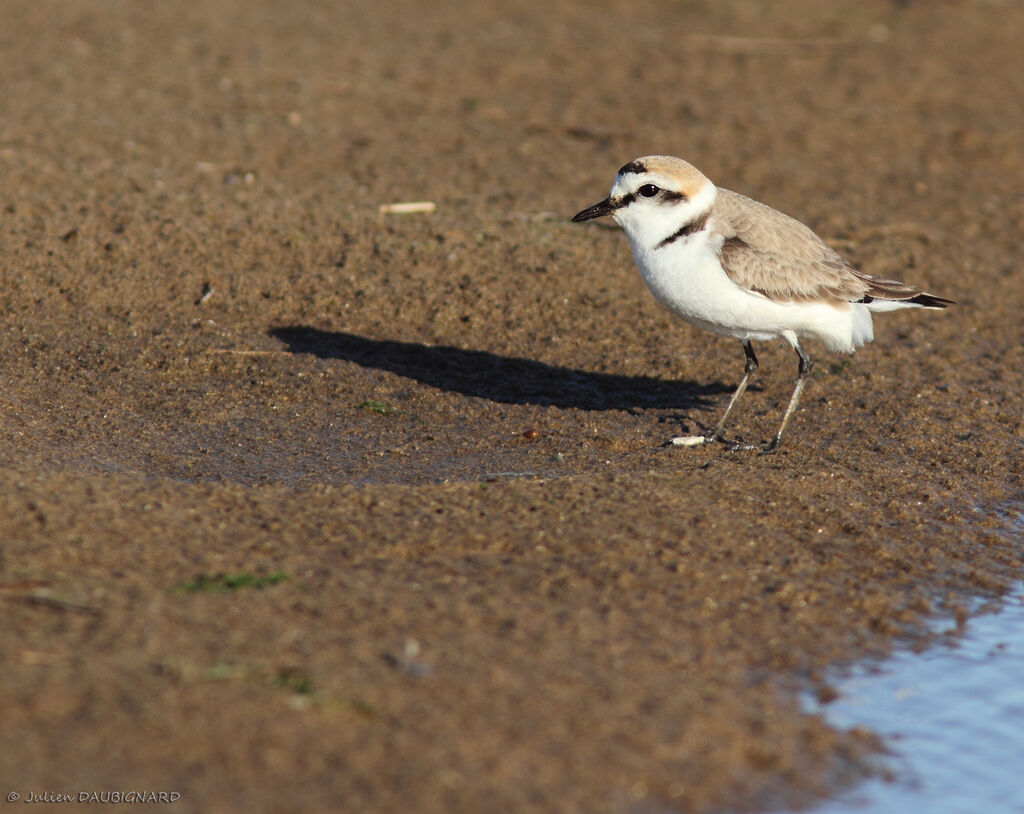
point(883, 295)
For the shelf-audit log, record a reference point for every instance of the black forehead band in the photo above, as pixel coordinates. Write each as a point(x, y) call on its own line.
point(634, 166)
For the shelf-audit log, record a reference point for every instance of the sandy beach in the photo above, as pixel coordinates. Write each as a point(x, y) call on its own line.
point(310, 506)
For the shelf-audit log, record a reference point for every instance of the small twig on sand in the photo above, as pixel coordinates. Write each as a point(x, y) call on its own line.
point(51, 602)
point(406, 208)
point(244, 352)
point(734, 44)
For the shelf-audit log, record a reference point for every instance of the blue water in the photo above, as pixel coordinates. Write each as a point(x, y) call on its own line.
point(954, 718)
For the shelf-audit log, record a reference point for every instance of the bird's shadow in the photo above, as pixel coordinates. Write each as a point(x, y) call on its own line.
point(504, 379)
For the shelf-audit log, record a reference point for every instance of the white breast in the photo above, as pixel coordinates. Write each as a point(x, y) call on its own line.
point(686, 277)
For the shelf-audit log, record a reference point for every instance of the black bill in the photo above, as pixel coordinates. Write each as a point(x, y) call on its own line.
point(605, 207)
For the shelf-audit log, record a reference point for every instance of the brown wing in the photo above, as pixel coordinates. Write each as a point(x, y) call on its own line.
point(781, 258)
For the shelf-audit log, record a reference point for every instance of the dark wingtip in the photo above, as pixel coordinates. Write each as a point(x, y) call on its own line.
point(931, 301)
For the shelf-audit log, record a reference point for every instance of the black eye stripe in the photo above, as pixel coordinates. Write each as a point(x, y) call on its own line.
point(653, 190)
point(667, 196)
point(625, 200)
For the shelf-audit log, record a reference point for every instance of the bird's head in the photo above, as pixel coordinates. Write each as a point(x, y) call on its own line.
point(654, 196)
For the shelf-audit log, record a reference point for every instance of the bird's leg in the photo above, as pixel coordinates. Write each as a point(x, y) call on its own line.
point(748, 371)
point(806, 363)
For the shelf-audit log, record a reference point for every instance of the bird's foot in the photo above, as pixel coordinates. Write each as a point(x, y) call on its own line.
point(733, 446)
point(716, 435)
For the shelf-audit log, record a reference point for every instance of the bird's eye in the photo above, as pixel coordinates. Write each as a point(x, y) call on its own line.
point(648, 190)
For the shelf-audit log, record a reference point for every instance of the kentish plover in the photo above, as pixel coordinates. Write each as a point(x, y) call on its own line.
point(739, 268)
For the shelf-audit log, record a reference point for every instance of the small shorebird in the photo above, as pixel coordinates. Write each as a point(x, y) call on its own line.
point(739, 268)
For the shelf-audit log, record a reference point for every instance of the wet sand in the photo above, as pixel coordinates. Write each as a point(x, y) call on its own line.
point(307, 507)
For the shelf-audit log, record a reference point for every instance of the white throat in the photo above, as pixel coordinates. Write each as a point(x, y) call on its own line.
point(650, 225)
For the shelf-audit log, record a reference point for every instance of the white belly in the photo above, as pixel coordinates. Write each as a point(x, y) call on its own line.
point(687, 278)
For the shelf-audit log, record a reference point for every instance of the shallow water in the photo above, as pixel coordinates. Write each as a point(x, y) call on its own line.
point(953, 717)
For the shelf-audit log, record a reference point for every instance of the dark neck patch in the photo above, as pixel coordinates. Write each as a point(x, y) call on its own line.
point(684, 231)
